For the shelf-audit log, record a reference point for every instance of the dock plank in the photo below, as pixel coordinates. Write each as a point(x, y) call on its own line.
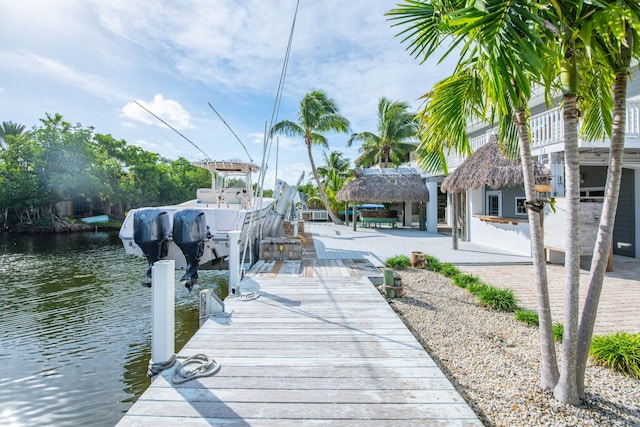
point(325, 349)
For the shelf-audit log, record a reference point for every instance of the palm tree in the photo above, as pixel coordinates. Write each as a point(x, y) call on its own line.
point(333, 175)
point(9, 128)
point(504, 41)
point(396, 126)
point(318, 113)
point(485, 84)
point(618, 51)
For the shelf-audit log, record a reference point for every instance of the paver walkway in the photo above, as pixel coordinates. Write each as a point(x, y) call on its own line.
point(619, 303)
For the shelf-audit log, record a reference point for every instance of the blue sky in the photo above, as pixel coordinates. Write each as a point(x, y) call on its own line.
point(89, 60)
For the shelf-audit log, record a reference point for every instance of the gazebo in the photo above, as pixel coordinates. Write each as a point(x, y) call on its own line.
point(386, 185)
point(487, 166)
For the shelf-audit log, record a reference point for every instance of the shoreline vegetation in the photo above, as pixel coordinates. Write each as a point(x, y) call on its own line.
point(61, 227)
point(492, 359)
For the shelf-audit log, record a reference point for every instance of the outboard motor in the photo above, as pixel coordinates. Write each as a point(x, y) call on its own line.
point(189, 233)
point(151, 232)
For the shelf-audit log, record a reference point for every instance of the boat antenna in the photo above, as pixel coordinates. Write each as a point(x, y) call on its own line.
point(234, 134)
point(173, 129)
point(268, 140)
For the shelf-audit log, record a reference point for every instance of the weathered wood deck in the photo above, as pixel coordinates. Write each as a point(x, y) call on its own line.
point(319, 346)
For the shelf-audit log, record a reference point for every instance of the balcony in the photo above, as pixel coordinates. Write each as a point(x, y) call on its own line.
point(547, 134)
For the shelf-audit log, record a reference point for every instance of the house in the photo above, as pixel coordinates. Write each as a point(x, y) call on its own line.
point(495, 217)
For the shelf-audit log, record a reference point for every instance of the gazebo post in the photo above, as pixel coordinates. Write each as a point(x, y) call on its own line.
point(353, 212)
point(346, 213)
point(453, 198)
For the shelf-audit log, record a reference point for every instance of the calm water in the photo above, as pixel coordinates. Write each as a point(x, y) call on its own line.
point(75, 328)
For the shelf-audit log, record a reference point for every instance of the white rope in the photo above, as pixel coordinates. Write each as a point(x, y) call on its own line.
point(155, 368)
point(204, 367)
point(249, 296)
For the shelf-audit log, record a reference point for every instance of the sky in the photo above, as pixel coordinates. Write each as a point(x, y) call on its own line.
point(92, 60)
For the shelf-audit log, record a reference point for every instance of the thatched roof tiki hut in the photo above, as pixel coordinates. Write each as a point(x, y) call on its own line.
point(487, 166)
point(389, 185)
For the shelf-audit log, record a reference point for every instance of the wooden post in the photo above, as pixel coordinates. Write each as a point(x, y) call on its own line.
point(346, 213)
point(162, 311)
point(454, 226)
point(353, 213)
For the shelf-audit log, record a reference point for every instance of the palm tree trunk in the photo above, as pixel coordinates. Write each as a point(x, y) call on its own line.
point(549, 363)
point(323, 195)
point(607, 219)
point(566, 391)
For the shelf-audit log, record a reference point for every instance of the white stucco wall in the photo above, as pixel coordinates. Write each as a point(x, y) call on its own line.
point(506, 237)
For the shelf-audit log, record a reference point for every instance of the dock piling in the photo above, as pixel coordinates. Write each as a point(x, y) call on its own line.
point(163, 312)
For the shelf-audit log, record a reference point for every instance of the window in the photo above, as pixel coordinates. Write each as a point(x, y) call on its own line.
point(493, 202)
point(520, 207)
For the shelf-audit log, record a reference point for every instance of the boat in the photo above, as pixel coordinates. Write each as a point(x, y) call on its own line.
point(95, 219)
point(195, 234)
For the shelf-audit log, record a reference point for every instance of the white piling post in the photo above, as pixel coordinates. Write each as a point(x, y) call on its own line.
point(234, 262)
point(162, 311)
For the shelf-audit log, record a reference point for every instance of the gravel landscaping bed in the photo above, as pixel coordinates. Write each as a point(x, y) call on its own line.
point(493, 360)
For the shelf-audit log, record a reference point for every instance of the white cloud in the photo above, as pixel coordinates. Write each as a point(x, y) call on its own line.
point(62, 72)
point(167, 109)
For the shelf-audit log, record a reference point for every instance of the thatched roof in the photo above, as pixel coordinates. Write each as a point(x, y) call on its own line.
point(487, 166)
point(384, 186)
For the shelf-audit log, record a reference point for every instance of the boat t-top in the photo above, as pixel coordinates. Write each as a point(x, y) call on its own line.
point(196, 233)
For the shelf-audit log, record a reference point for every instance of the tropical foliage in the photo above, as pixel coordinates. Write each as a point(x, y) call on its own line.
point(318, 113)
point(56, 162)
point(391, 144)
point(505, 49)
point(333, 174)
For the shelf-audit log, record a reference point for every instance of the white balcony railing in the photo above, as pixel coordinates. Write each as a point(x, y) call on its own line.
point(547, 128)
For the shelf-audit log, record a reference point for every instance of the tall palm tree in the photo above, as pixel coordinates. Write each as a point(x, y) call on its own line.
point(507, 65)
point(9, 128)
point(335, 169)
point(396, 126)
point(333, 174)
point(619, 44)
point(486, 84)
point(318, 113)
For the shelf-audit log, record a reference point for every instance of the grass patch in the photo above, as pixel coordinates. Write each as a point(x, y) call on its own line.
point(398, 262)
point(466, 280)
point(619, 352)
point(448, 269)
point(433, 263)
point(527, 316)
point(500, 299)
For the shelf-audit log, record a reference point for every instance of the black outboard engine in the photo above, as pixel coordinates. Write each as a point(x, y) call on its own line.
point(189, 233)
point(151, 232)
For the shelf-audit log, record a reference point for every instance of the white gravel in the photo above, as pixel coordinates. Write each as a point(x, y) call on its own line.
point(493, 360)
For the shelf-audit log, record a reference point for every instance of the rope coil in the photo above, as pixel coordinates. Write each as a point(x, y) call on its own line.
point(204, 367)
point(155, 368)
point(249, 296)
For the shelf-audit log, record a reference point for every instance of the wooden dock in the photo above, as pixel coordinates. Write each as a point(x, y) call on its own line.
point(319, 346)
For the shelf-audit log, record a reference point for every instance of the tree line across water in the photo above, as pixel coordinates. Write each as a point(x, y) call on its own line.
point(56, 162)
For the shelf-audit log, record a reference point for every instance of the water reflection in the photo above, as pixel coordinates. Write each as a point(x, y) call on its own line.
point(76, 328)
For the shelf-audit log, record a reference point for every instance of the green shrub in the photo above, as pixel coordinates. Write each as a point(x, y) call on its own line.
point(399, 262)
point(620, 352)
point(449, 269)
point(558, 331)
point(433, 263)
point(500, 299)
point(527, 316)
point(477, 288)
point(465, 280)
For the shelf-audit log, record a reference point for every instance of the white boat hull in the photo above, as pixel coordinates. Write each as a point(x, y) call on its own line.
point(220, 219)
